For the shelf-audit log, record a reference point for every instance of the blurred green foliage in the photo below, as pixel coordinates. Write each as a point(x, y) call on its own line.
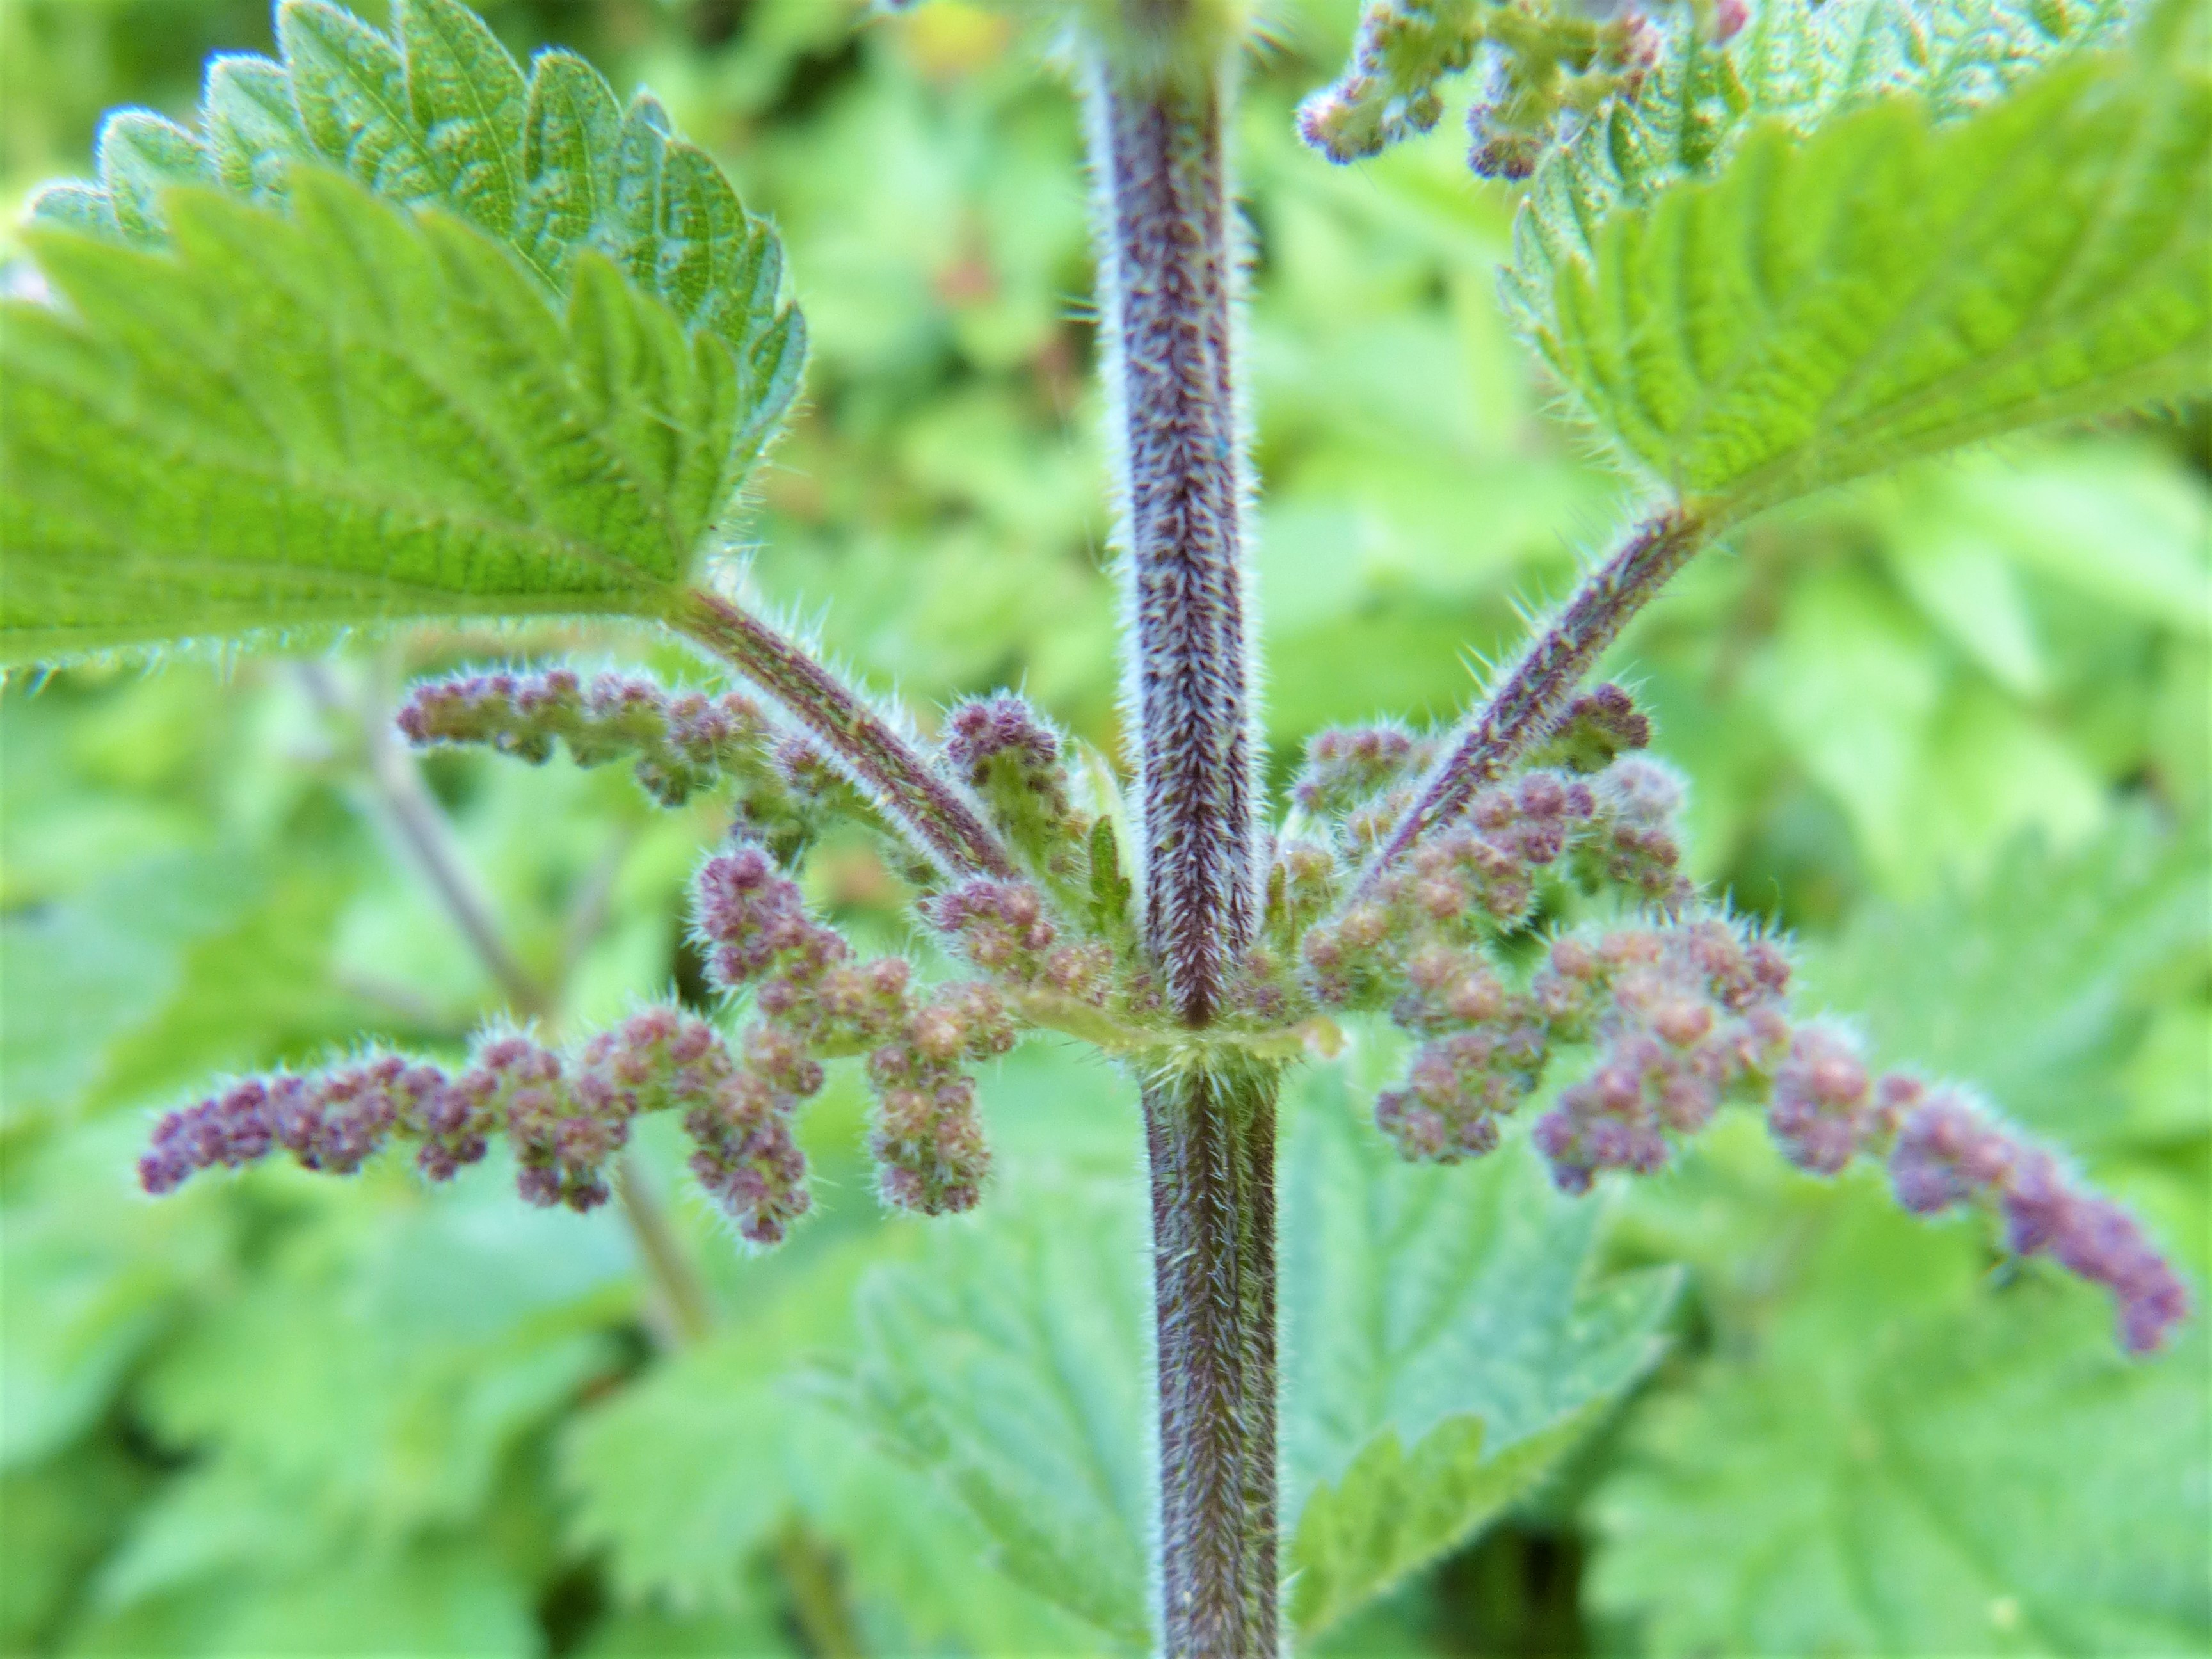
point(1953, 728)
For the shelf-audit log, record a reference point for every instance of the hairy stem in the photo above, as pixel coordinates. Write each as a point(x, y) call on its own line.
point(1528, 703)
point(1167, 282)
point(681, 1295)
point(1211, 1138)
point(940, 821)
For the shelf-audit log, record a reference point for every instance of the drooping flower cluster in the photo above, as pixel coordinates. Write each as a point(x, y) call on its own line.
point(565, 1117)
point(1680, 1010)
point(1546, 63)
point(1680, 1015)
point(1948, 1153)
point(684, 742)
point(1479, 878)
point(816, 1003)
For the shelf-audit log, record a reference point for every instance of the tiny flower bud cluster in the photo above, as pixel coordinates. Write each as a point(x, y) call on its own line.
point(816, 1003)
point(1002, 748)
point(564, 1119)
point(1002, 928)
point(1948, 1153)
point(1681, 1015)
point(1547, 63)
point(1598, 726)
point(684, 742)
point(1633, 845)
point(1458, 887)
point(1346, 765)
point(333, 1121)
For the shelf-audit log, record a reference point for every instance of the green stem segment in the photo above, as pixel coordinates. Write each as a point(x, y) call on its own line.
point(1211, 1138)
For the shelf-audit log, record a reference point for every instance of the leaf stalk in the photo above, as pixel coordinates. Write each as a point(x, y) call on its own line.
point(941, 823)
point(1529, 701)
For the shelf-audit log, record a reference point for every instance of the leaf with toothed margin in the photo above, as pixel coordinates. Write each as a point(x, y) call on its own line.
point(372, 418)
point(1890, 272)
point(1008, 1364)
point(1443, 1346)
point(1903, 1457)
point(348, 413)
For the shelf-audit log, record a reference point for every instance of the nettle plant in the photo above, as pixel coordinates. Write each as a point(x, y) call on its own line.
point(404, 331)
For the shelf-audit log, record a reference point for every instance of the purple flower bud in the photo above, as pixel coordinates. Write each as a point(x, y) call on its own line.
point(683, 743)
point(1818, 1110)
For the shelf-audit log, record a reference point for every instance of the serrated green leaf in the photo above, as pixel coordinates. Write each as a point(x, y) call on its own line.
point(347, 414)
point(682, 1476)
point(1891, 283)
point(1009, 1364)
point(1442, 1344)
point(251, 125)
point(1441, 1349)
point(342, 416)
point(467, 95)
point(1903, 1463)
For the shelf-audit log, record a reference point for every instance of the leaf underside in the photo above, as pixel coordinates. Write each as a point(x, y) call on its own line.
point(397, 333)
point(1927, 265)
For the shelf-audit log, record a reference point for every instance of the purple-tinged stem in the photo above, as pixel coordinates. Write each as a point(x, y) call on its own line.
point(945, 827)
point(1528, 704)
point(1211, 1140)
point(1167, 282)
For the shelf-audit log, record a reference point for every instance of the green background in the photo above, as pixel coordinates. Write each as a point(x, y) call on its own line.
point(1952, 729)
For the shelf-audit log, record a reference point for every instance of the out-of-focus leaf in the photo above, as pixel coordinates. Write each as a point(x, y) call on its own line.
point(56, 1519)
point(2113, 525)
point(2034, 982)
point(647, 1634)
point(1903, 1463)
point(77, 975)
point(1443, 1345)
point(684, 1475)
point(391, 1358)
point(96, 1276)
point(444, 1595)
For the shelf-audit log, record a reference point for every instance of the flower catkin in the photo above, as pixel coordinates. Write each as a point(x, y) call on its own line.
point(1004, 751)
point(565, 1117)
point(816, 1002)
point(1948, 1153)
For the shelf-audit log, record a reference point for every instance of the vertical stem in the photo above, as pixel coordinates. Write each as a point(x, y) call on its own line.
point(675, 1279)
point(1212, 1143)
point(1167, 290)
point(1167, 282)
